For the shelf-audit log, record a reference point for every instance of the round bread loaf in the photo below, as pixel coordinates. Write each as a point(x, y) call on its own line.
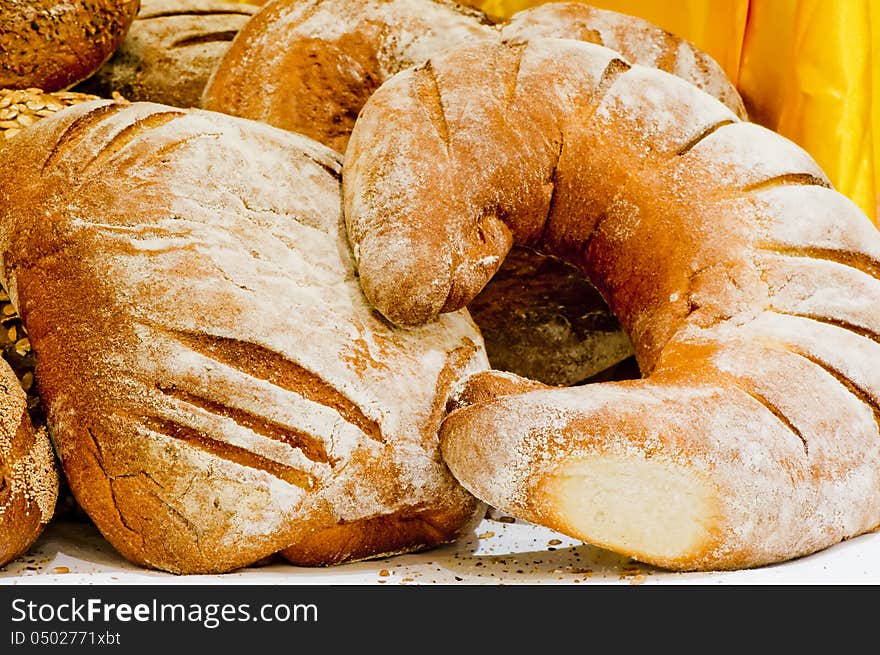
point(337, 52)
point(170, 51)
point(748, 285)
point(52, 45)
point(217, 386)
point(28, 477)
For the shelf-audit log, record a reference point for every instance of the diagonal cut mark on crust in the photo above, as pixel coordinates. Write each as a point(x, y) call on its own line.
point(857, 260)
point(773, 409)
point(554, 180)
point(210, 37)
point(335, 169)
point(708, 131)
point(836, 322)
point(228, 452)
point(514, 86)
point(168, 148)
point(804, 179)
point(193, 12)
point(428, 92)
point(309, 445)
point(848, 384)
point(260, 362)
point(98, 456)
point(129, 134)
point(78, 130)
point(615, 68)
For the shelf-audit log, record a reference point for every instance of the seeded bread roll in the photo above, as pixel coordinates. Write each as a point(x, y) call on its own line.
point(217, 387)
point(52, 45)
point(335, 53)
point(28, 477)
point(170, 51)
point(748, 285)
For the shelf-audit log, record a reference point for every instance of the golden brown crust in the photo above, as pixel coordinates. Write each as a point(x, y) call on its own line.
point(335, 55)
point(199, 426)
point(170, 51)
point(748, 285)
point(28, 477)
point(53, 45)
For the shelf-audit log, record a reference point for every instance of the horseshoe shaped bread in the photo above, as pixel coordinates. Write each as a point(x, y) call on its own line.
point(337, 52)
point(217, 387)
point(750, 289)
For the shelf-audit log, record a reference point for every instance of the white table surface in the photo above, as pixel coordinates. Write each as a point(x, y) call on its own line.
point(496, 552)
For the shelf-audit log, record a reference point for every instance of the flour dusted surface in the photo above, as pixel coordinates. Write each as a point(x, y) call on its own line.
point(240, 396)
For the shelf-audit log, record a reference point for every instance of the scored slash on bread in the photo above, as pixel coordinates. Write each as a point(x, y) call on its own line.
point(216, 385)
point(750, 289)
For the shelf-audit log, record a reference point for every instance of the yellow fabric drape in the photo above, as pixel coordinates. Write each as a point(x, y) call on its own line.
point(809, 69)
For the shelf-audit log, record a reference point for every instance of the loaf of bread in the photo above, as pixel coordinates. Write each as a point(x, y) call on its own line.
point(335, 53)
point(52, 44)
point(748, 285)
point(170, 51)
point(216, 385)
point(28, 477)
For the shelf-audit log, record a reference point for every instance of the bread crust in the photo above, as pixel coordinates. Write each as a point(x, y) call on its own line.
point(170, 51)
point(28, 476)
point(53, 45)
point(217, 387)
point(749, 288)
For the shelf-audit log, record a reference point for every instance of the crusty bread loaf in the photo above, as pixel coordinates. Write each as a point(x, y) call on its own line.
point(309, 65)
point(20, 108)
point(52, 45)
point(28, 477)
point(748, 285)
point(337, 52)
point(170, 51)
point(217, 387)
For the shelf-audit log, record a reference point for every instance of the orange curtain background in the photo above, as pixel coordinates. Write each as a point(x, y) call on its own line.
point(809, 69)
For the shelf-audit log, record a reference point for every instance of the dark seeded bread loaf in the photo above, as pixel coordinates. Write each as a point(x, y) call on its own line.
point(52, 44)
